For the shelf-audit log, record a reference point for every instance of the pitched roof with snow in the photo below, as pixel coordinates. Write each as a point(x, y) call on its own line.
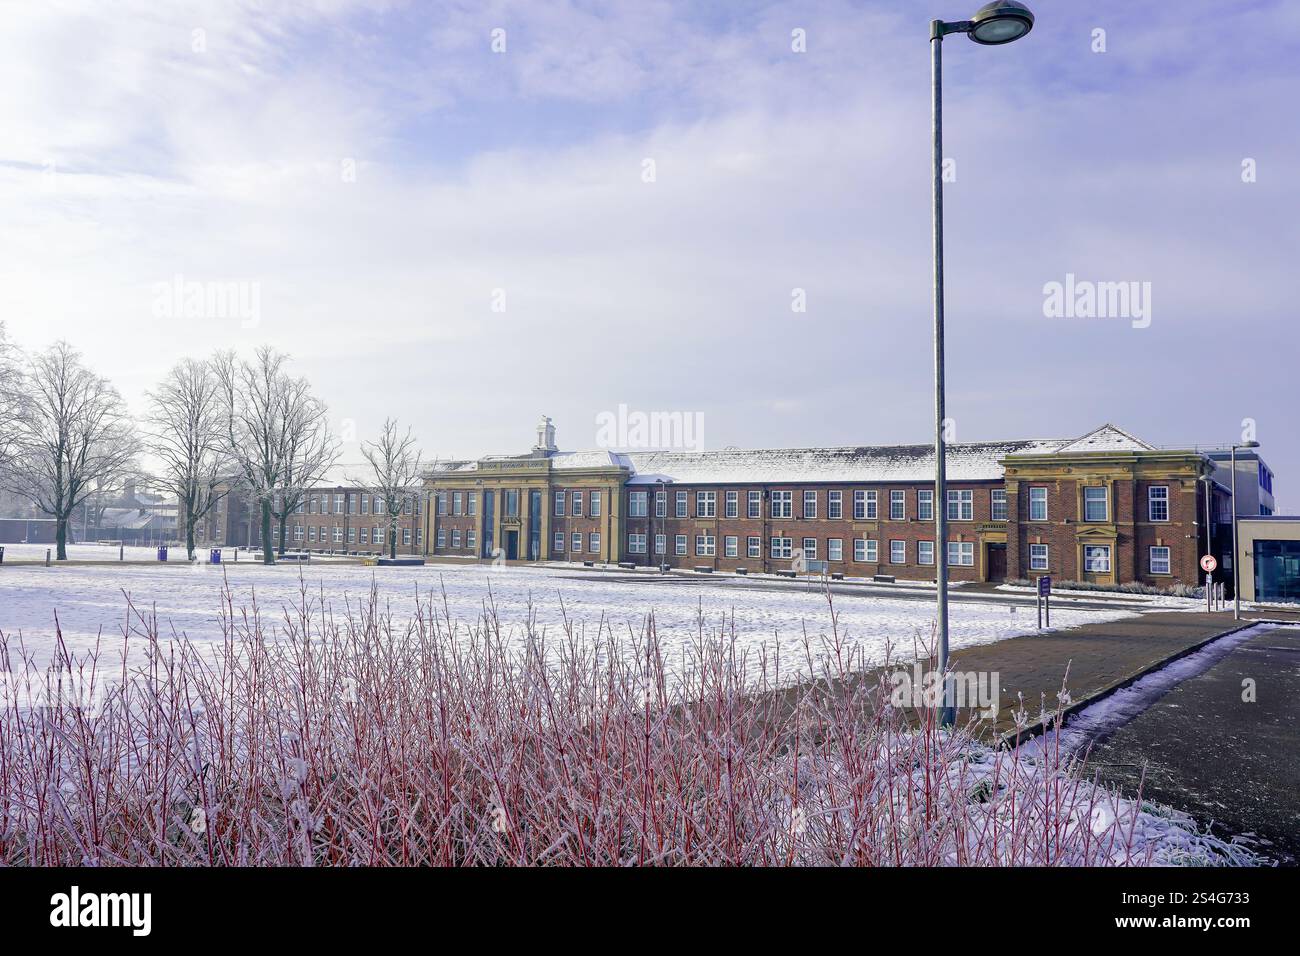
point(1105, 438)
point(969, 461)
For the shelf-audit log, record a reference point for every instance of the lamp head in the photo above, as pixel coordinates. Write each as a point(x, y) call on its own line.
point(1001, 21)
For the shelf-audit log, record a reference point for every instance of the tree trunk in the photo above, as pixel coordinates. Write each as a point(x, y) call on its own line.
point(392, 540)
point(283, 522)
point(189, 536)
point(61, 538)
point(268, 551)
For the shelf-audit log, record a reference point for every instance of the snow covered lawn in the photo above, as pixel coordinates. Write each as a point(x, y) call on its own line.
point(90, 600)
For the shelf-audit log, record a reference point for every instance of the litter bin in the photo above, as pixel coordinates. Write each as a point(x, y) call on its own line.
point(214, 556)
point(162, 554)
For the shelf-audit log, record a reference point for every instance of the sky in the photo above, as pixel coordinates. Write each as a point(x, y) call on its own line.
point(468, 215)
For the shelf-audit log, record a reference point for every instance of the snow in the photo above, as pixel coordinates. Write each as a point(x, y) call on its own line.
point(90, 600)
point(1106, 438)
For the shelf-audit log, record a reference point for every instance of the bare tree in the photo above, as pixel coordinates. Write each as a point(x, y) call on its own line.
point(276, 434)
point(309, 451)
point(394, 474)
point(12, 398)
point(185, 430)
point(72, 435)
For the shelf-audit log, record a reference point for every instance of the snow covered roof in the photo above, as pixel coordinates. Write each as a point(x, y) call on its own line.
point(968, 461)
point(971, 461)
point(1105, 438)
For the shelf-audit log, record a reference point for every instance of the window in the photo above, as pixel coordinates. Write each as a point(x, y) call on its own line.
point(458, 503)
point(593, 542)
point(782, 548)
point(338, 535)
point(311, 508)
point(365, 535)
point(636, 542)
point(755, 504)
point(897, 505)
point(835, 549)
point(595, 504)
point(1038, 557)
point(705, 546)
point(897, 552)
point(419, 538)
point(455, 537)
point(577, 504)
point(681, 504)
point(376, 538)
point(706, 504)
point(557, 544)
point(961, 505)
point(661, 504)
point(559, 504)
point(810, 548)
point(1160, 560)
point(511, 506)
point(864, 505)
point(998, 504)
point(471, 502)
point(835, 505)
point(365, 504)
point(406, 506)
point(810, 504)
point(352, 535)
point(636, 504)
point(577, 542)
point(661, 544)
point(1096, 558)
point(1037, 504)
point(297, 532)
point(442, 537)
point(679, 544)
point(1158, 503)
point(733, 504)
point(925, 504)
point(338, 504)
point(1094, 503)
point(471, 538)
point(961, 554)
point(406, 536)
point(311, 533)
point(352, 504)
point(754, 546)
point(377, 504)
point(731, 546)
point(925, 552)
point(782, 504)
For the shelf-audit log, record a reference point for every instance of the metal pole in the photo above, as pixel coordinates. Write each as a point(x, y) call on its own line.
point(1209, 547)
point(1236, 575)
point(948, 715)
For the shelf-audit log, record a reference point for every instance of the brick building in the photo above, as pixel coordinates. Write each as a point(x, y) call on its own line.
point(1107, 508)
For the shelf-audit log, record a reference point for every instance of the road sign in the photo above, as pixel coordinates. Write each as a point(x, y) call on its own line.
point(1044, 586)
point(1208, 564)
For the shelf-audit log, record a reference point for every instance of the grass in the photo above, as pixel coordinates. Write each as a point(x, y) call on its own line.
point(307, 737)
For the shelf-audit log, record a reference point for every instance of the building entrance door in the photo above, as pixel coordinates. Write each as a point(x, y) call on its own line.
point(997, 567)
point(512, 545)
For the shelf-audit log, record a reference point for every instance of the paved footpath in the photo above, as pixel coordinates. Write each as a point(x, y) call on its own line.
point(1101, 657)
point(1224, 760)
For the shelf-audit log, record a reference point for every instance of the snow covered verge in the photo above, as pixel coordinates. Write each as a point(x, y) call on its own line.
point(361, 736)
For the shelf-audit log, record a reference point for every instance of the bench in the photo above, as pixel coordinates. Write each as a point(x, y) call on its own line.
point(704, 568)
point(883, 578)
point(783, 573)
point(627, 565)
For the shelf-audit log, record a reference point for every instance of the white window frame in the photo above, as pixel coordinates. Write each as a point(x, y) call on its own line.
point(679, 544)
point(754, 508)
point(636, 542)
point(680, 509)
point(1167, 560)
point(1040, 557)
point(897, 554)
point(733, 504)
point(637, 504)
point(754, 546)
point(1162, 500)
point(1037, 498)
point(661, 544)
point(706, 545)
point(810, 504)
point(706, 504)
point(576, 505)
point(961, 554)
point(925, 504)
point(835, 505)
point(731, 546)
point(834, 549)
point(961, 504)
point(925, 552)
point(998, 501)
point(558, 542)
point(810, 549)
point(898, 504)
point(782, 504)
point(782, 548)
point(1093, 565)
point(1105, 503)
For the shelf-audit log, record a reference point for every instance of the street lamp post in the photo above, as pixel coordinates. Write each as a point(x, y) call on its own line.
point(1236, 574)
point(992, 25)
